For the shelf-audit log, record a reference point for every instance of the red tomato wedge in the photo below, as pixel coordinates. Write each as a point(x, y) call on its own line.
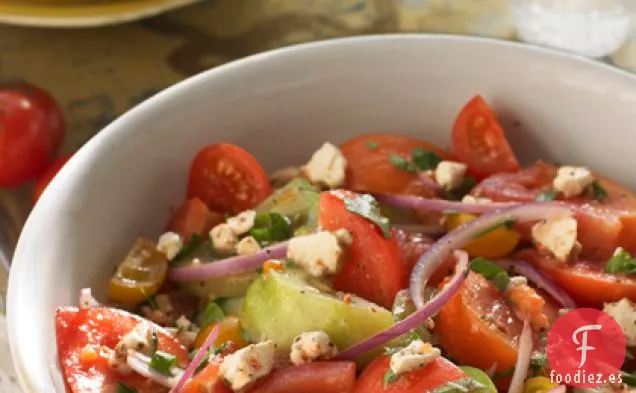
point(584, 280)
point(374, 268)
point(86, 339)
point(369, 168)
point(426, 379)
point(478, 327)
point(227, 178)
point(193, 217)
point(44, 180)
point(479, 140)
point(318, 377)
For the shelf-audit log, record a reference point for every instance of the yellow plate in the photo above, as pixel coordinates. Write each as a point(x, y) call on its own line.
point(82, 13)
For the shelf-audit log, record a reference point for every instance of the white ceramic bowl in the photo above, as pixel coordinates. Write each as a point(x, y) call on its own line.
point(281, 106)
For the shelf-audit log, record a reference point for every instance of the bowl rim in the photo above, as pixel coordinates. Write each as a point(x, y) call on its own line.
point(115, 130)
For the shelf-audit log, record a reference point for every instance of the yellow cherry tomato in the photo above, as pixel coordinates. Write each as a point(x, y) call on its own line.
point(496, 243)
point(537, 385)
point(229, 330)
point(140, 274)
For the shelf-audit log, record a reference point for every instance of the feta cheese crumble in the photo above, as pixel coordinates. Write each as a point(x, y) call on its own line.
point(624, 312)
point(170, 244)
point(247, 365)
point(449, 174)
point(320, 253)
point(327, 166)
point(572, 180)
point(416, 355)
point(242, 222)
point(223, 238)
point(248, 245)
point(310, 346)
point(556, 234)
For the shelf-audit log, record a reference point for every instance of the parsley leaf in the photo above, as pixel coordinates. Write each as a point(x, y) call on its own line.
point(508, 223)
point(210, 314)
point(538, 362)
point(123, 388)
point(490, 271)
point(402, 163)
point(599, 192)
point(621, 262)
point(390, 377)
point(545, 196)
point(188, 248)
point(629, 379)
point(163, 362)
point(425, 160)
point(372, 145)
point(463, 385)
point(366, 206)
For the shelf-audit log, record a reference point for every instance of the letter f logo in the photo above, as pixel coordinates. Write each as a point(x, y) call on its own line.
point(583, 345)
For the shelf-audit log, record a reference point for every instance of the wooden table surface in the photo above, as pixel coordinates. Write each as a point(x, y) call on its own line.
point(98, 73)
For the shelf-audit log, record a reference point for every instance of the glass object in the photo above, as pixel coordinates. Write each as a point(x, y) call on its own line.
point(592, 28)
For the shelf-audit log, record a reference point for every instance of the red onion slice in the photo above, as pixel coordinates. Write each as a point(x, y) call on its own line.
point(541, 281)
point(440, 205)
point(141, 365)
point(458, 238)
point(189, 371)
point(229, 266)
point(415, 319)
point(523, 359)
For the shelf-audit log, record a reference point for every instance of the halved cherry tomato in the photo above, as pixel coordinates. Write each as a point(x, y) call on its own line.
point(86, 339)
point(495, 244)
point(369, 168)
point(44, 180)
point(435, 375)
point(207, 380)
point(413, 246)
point(227, 178)
point(480, 142)
point(193, 217)
point(140, 275)
point(317, 377)
point(229, 330)
point(584, 280)
point(374, 268)
point(479, 328)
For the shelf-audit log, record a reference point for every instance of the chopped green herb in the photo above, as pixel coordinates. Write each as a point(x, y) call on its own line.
point(366, 206)
point(508, 223)
point(123, 388)
point(538, 363)
point(490, 271)
point(189, 247)
point(402, 163)
point(546, 196)
point(629, 378)
point(599, 192)
point(372, 145)
point(621, 263)
point(149, 299)
point(466, 186)
point(163, 362)
point(463, 385)
point(210, 314)
point(271, 227)
point(390, 377)
point(425, 160)
point(288, 263)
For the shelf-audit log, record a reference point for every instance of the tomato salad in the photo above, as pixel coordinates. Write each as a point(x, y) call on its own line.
point(384, 264)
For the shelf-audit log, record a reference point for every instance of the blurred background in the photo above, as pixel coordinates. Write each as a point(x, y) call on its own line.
point(98, 58)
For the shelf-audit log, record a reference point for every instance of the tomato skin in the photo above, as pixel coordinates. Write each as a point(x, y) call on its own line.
point(584, 280)
point(193, 217)
point(227, 178)
point(426, 379)
point(370, 170)
point(316, 377)
point(98, 330)
point(44, 180)
point(26, 146)
point(374, 268)
point(479, 140)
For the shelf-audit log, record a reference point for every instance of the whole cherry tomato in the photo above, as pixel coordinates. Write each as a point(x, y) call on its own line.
point(44, 180)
